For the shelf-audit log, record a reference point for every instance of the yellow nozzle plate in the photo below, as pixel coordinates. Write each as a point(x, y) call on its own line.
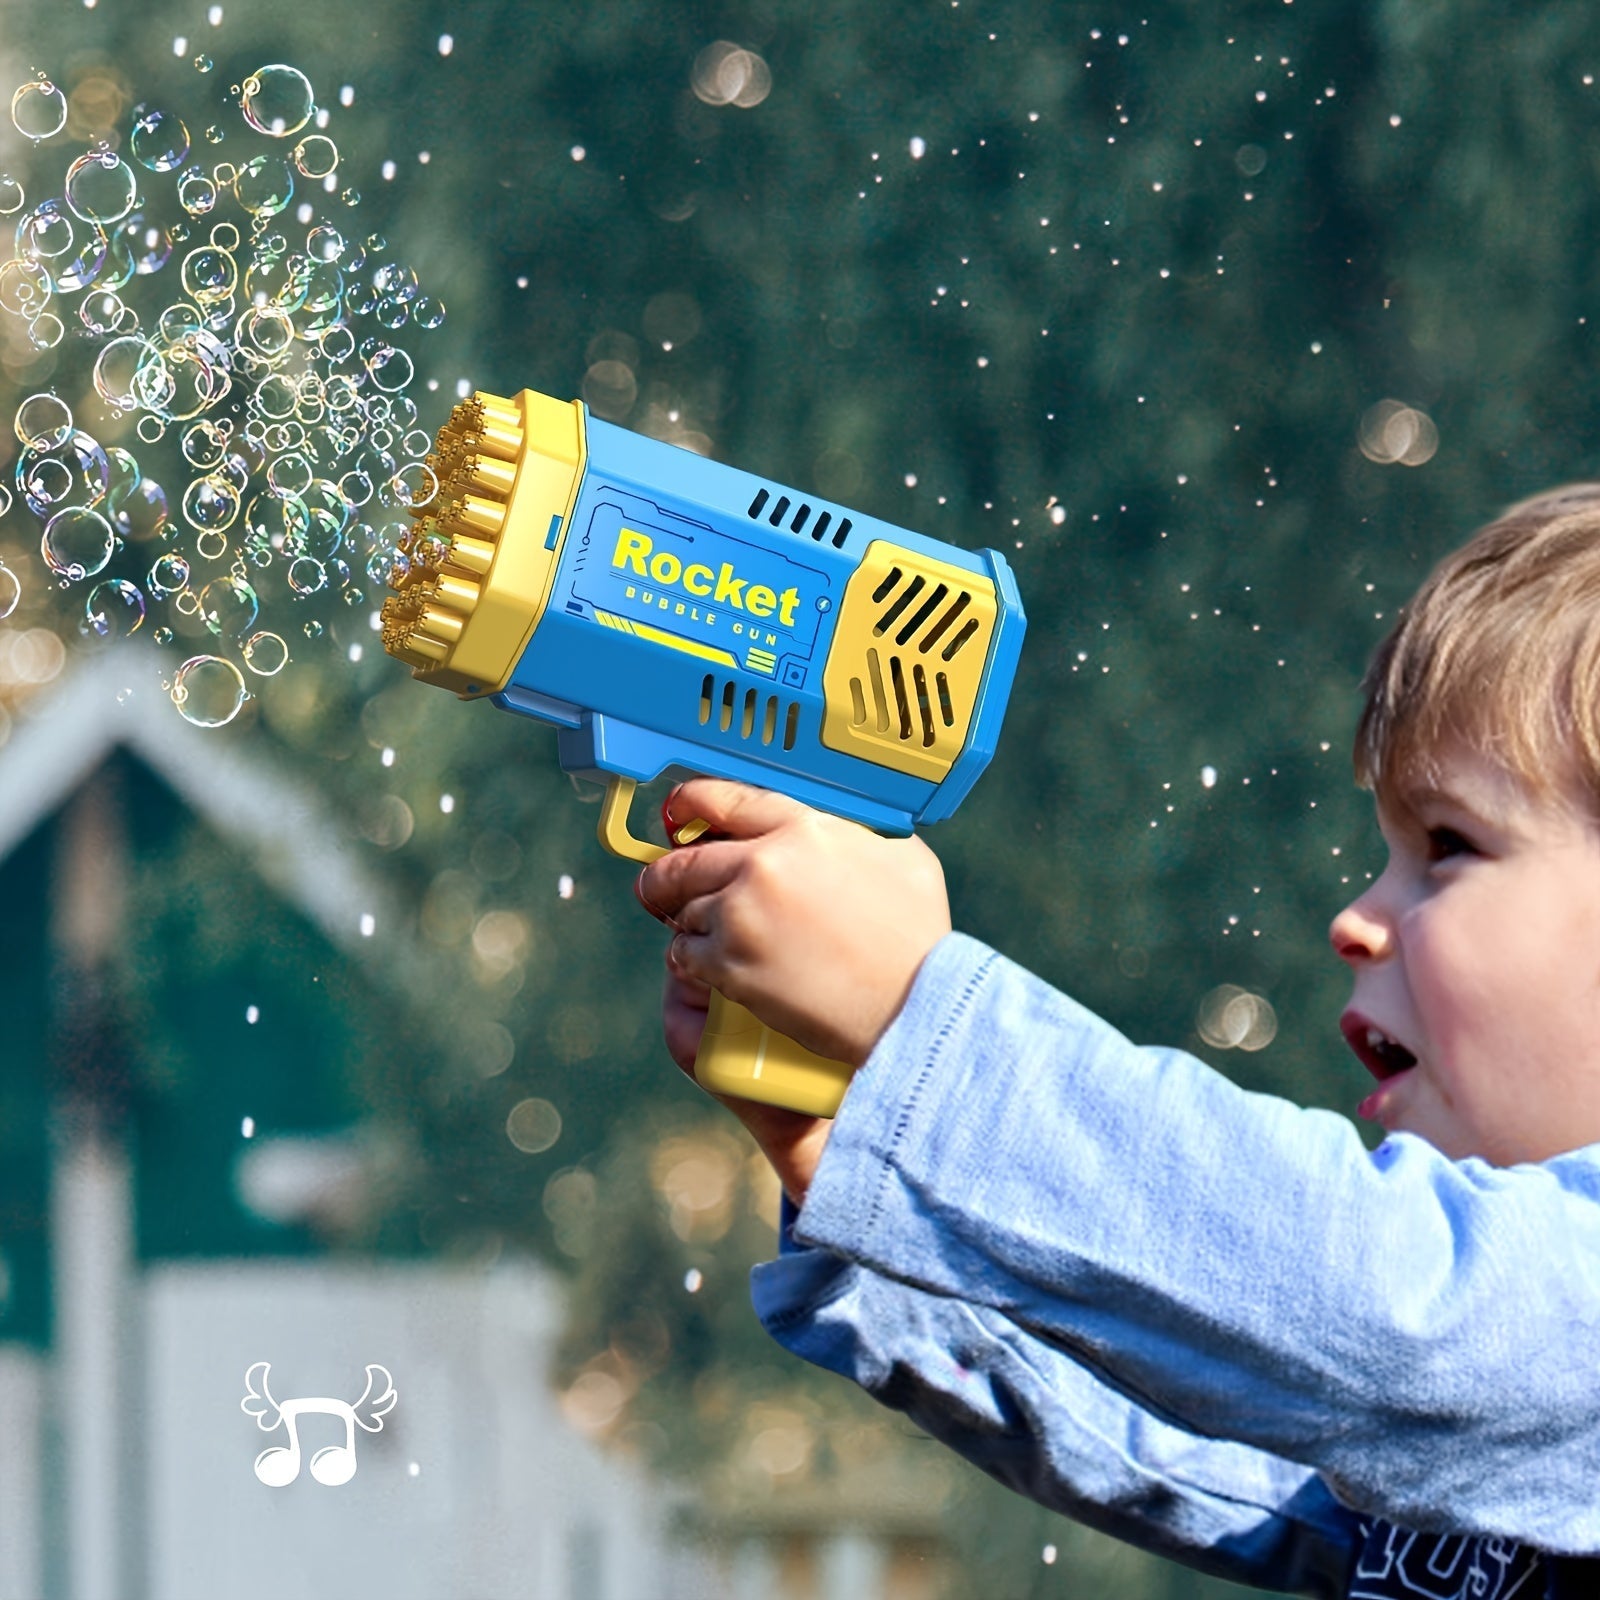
point(480, 563)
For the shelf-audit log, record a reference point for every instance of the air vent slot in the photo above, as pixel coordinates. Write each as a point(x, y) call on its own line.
point(747, 716)
point(780, 509)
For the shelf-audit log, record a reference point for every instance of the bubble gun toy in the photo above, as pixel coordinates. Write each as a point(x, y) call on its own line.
point(672, 615)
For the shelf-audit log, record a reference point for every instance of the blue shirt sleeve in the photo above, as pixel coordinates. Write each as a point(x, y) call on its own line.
point(1415, 1332)
point(1042, 1423)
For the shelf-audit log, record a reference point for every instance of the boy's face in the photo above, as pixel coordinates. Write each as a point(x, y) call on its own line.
point(1476, 958)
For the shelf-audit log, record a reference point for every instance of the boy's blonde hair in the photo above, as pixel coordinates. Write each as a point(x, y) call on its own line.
point(1500, 649)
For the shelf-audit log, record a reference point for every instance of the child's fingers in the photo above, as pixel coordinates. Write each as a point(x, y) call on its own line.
point(671, 881)
point(735, 809)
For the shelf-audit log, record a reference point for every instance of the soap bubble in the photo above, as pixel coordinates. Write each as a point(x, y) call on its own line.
point(103, 312)
point(160, 141)
point(209, 274)
point(150, 246)
point(228, 607)
point(10, 591)
point(277, 101)
point(324, 243)
point(197, 194)
point(390, 368)
point(428, 312)
point(264, 185)
point(307, 575)
point(43, 421)
point(316, 155)
point(11, 195)
point(24, 288)
point(73, 472)
point(39, 110)
point(169, 575)
point(101, 187)
point(210, 504)
point(45, 331)
point(265, 654)
point(114, 610)
point(77, 543)
point(208, 691)
point(143, 514)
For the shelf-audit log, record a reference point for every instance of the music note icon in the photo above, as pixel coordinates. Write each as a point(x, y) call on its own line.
point(333, 1464)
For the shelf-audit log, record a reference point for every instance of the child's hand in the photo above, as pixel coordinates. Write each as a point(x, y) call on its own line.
point(791, 1141)
point(818, 925)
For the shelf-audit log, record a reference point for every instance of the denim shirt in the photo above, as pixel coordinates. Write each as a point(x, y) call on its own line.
point(1206, 1321)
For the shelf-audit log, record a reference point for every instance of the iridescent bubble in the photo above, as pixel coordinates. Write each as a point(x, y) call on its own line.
point(114, 610)
point(390, 368)
point(45, 235)
point(43, 421)
point(197, 194)
point(277, 101)
point(228, 607)
point(75, 472)
point(150, 246)
point(24, 288)
point(101, 187)
point(203, 63)
point(160, 141)
point(393, 314)
point(208, 691)
point(12, 198)
point(428, 312)
point(210, 504)
point(276, 520)
point(209, 274)
point(307, 576)
point(39, 110)
point(316, 155)
point(5, 499)
point(264, 653)
point(414, 485)
point(10, 591)
point(129, 374)
point(290, 473)
point(203, 444)
point(356, 487)
point(77, 543)
point(143, 515)
point(267, 329)
point(393, 280)
point(169, 575)
point(264, 185)
point(324, 300)
point(324, 243)
point(103, 312)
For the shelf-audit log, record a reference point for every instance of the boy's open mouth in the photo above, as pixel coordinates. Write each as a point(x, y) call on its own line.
point(1381, 1055)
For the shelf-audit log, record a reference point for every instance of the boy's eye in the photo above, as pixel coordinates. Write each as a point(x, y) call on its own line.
point(1444, 843)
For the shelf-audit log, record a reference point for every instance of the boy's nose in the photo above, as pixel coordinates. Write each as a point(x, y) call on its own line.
point(1359, 933)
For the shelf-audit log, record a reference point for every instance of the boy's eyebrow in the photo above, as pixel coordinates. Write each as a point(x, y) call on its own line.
point(1485, 808)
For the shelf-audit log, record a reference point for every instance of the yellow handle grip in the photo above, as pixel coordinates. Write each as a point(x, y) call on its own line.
point(739, 1055)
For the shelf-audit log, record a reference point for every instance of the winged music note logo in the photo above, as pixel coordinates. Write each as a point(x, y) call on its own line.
point(333, 1464)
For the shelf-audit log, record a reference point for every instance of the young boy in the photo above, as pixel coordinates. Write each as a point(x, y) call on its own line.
point(1206, 1321)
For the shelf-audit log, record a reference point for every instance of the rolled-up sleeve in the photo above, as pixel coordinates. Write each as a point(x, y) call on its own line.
point(1074, 1247)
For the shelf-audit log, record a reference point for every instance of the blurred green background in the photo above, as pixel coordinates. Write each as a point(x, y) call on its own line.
point(1115, 293)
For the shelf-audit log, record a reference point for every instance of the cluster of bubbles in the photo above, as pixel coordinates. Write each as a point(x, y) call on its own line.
point(1231, 1018)
point(1395, 434)
point(265, 373)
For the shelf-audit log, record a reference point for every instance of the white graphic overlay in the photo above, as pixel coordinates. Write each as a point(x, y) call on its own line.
point(333, 1464)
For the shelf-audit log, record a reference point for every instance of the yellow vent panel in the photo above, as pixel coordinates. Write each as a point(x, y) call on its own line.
point(903, 673)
